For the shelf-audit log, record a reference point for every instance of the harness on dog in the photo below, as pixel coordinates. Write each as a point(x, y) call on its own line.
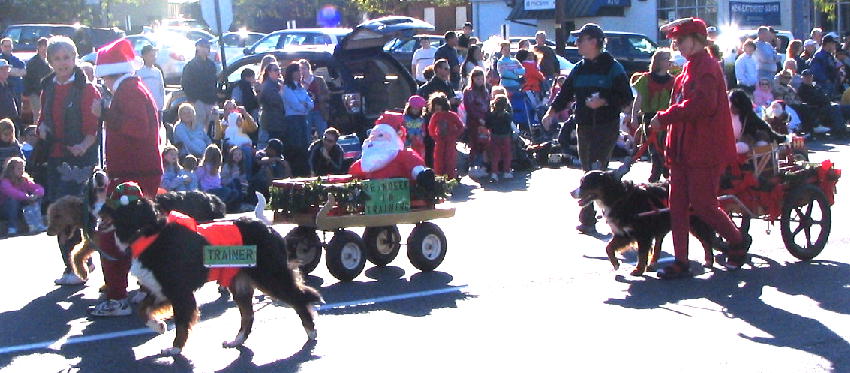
point(224, 233)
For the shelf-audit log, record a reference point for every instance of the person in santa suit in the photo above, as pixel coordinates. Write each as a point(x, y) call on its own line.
point(700, 144)
point(384, 156)
point(131, 123)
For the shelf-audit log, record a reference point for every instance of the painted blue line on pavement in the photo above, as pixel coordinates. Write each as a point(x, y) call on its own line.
point(142, 331)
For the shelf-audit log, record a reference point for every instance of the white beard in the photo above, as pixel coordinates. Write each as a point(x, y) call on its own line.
point(377, 155)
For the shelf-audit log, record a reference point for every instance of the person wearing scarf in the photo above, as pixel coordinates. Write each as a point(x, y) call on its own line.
point(653, 91)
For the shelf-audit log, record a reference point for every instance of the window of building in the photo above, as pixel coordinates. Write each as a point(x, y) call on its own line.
point(670, 10)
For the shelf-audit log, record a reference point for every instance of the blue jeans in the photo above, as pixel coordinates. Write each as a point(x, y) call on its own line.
point(317, 121)
point(11, 211)
point(839, 114)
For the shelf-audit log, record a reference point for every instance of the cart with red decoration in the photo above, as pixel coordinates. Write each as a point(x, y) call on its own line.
point(335, 203)
point(778, 183)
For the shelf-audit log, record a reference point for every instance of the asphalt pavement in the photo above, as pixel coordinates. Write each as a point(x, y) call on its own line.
point(519, 291)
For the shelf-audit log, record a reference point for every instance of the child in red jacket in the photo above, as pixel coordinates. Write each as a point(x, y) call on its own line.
point(533, 77)
point(445, 127)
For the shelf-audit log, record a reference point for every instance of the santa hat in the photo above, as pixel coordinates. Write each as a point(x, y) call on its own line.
point(116, 58)
point(394, 120)
point(125, 193)
point(684, 26)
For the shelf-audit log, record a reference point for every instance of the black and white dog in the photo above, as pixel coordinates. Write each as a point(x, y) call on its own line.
point(171, 268)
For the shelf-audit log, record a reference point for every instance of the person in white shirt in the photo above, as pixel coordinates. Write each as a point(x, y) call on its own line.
point(746, 68)
point(151, 76)
point(422, 58)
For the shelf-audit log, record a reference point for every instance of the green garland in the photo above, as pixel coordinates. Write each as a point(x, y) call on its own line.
point(309, 196)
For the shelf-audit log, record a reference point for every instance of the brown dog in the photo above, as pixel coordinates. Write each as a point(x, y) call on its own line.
point(65, 220)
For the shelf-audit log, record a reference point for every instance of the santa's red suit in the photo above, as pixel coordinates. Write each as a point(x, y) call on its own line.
point(405, 164)
point(384, 155)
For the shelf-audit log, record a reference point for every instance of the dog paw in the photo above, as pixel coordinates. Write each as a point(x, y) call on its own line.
point(615, 265)
point(171, 351)
point(158, 326)
point(312, 335)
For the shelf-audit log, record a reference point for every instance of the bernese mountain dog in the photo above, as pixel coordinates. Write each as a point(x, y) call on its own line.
point(621, 203)
point(170, 266)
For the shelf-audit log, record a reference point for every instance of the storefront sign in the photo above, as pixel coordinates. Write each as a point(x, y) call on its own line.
point(387, 196)
point(539, 4)
point(755, 14)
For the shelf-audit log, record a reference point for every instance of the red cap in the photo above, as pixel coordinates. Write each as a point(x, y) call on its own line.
point(685, 26)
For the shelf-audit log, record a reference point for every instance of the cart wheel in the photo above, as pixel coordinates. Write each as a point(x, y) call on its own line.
point(304, 245)
point(382, 244)
point(426, 246)
point(344, 255)
point(805, 222)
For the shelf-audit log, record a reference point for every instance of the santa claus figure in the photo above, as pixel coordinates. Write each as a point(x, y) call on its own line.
point(384, 156)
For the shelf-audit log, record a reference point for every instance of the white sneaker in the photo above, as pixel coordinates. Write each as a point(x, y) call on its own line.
point(507, 175)
point(821, 129)
point(69, 279)
point(138, 296)
point(112, 307)
point(494, 178)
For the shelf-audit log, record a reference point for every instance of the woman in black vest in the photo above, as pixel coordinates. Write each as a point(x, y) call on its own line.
point(69, 129)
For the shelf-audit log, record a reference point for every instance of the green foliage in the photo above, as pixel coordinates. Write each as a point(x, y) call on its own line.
point(827, 7)
point(54, 11)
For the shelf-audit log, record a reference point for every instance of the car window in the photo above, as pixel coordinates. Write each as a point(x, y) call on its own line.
point(138, 44)
point(267, 44)
point(237, 74)
point(641, 47)
point(14, 33)
point(306, 39)
point(230, 40)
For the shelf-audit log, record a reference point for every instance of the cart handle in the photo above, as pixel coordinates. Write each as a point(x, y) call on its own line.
point(725, 197)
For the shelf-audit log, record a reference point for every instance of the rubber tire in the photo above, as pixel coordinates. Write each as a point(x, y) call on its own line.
point(372, 235)
point(342, 240)
point(315, 254)
point(416, 251)
point(810, 194)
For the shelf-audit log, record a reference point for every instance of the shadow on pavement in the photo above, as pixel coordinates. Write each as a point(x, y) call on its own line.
point(390, 283)
point(740, 294)
point(518, 183)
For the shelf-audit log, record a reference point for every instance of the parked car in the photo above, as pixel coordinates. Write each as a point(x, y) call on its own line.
point(632, 50)
point(402, 48)
point(363, 79)
point(25, 36)
point(236, 42)
point(298, 37)
point(182, 22)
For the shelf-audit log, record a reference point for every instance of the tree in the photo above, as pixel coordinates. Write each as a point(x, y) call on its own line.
point(270, 15)
point(827, 7)
point(52, 11)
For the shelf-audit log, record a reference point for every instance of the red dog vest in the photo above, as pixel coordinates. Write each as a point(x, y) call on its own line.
point(224, 233)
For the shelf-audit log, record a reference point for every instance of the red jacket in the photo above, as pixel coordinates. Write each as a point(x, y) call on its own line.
point(533, 76)
point(406, 164)
point(132, 132)
point(699, 120)
point(450, 132)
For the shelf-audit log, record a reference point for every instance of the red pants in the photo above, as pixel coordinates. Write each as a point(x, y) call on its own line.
point(115, 271)
point(500, 151)
point(445, 158)
point(694, 190)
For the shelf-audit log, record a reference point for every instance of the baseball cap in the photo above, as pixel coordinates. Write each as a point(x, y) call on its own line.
point(202, 43)
point(806, 72)
point(809, 42)
point(828, 39)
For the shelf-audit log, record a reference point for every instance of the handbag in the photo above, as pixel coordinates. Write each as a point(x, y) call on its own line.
point(248, 125)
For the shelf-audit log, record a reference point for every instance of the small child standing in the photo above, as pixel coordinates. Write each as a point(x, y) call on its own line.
point(188, 180)
point(171, 180)
point(18, 192)
point(208, 175)
point(499, 151)
point(234, 175)
point(445, 127)
point(414, 122)
point(763, 95)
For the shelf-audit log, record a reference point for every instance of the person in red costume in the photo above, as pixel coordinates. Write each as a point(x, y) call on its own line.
point(131, 123)
point(700, 144)
point(384, 156)
point(444, 127)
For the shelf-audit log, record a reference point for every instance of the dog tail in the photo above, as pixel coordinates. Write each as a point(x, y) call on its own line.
point(260, 208)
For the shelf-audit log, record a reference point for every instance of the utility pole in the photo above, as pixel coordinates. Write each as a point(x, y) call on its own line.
point(560, 32)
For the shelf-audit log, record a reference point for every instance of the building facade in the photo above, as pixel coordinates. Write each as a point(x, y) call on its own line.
point(525, 17)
